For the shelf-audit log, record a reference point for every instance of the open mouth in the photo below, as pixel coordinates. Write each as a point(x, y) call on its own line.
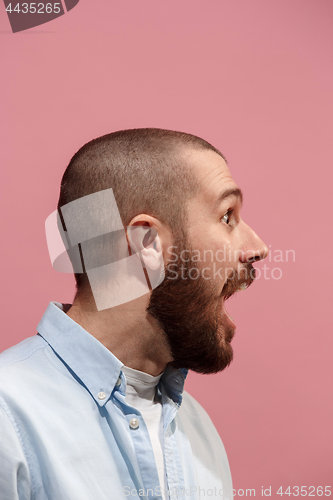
point(235, 284)
point(227, 316)
point(225, 296)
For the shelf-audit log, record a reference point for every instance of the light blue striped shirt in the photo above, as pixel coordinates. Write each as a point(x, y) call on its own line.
point(61, 438)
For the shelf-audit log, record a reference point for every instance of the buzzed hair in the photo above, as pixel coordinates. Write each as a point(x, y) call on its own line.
point(146, 170)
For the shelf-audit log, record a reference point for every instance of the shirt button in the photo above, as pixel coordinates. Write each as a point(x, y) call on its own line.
point(118, 382)
point(134, 423)
point(101, 395)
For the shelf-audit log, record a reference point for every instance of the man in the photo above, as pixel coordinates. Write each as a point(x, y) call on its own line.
point(93, 406)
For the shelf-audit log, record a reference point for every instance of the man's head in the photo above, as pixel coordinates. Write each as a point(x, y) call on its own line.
point(145, 168)
point(179, 186)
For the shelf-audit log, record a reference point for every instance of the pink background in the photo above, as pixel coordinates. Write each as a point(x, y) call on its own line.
point(254, 77)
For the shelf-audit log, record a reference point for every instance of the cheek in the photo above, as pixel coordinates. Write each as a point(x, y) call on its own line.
point(220, 260)
point(214, 249)
point(224, 251)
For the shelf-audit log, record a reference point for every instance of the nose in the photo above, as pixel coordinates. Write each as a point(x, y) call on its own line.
point(254, 249)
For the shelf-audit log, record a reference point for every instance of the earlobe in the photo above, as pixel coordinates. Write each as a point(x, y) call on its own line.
point(137, 237)
point(144, 240)
point(152, 255)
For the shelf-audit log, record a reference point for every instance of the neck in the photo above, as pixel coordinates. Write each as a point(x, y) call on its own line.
point(128, 331)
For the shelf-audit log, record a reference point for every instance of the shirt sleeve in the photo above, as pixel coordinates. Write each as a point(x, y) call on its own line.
point(14, 470)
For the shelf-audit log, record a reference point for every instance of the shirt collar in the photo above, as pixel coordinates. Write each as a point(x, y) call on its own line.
point(91, 361)
point(173, 381)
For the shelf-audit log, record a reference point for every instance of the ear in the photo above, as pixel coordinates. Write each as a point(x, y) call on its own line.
point(143, 239)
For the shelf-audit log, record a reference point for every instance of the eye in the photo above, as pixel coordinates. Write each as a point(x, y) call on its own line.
point(226, 217)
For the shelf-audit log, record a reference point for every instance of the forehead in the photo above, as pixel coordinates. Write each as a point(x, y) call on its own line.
point(211, 172)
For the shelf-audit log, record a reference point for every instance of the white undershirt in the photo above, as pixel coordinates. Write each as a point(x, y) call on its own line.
point(141, 393)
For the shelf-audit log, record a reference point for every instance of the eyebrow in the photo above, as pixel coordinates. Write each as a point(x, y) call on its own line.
point(230, 192)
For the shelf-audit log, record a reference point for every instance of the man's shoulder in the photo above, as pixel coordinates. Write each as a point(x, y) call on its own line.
point(196, 413)
point(191, 405)
point(21, 367)
point(22, 351)
point(17, 361)
point(200, 429)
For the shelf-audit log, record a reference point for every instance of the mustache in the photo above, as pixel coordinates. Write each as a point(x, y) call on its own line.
point(239, 280)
